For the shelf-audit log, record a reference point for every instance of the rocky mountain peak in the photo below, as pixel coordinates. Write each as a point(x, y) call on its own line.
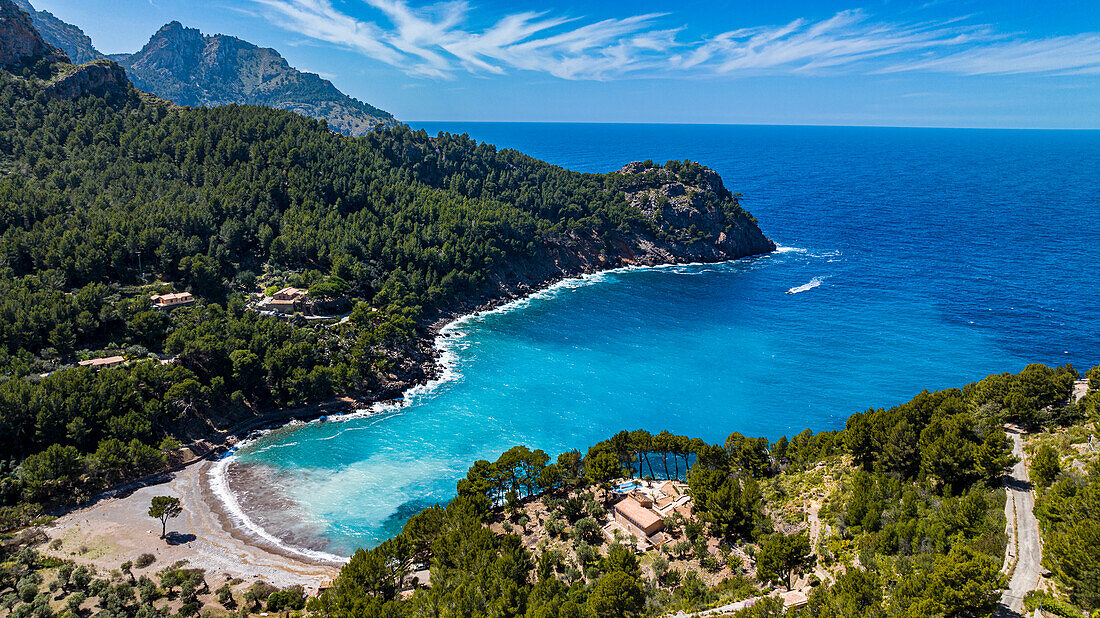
point(20, 44)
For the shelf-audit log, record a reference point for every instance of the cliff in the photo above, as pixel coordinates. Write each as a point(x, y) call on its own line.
point(100, 78)
point(20, 44)
point(65, 36)
point(184, 66)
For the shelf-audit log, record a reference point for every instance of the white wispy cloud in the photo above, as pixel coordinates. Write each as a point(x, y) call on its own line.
point(439, 41)
point(1062, 55)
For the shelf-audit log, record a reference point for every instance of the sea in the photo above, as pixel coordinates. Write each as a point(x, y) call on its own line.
point(909, 259)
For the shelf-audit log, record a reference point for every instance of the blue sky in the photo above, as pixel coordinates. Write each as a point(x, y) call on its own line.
point(965, 63)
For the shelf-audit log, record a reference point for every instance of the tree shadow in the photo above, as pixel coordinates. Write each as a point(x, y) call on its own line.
point(1018, 484)
point(176, 538)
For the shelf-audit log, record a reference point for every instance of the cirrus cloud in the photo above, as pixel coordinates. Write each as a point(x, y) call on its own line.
point(439, 41)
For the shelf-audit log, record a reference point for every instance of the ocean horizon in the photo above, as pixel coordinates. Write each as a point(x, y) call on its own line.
point(915, 258)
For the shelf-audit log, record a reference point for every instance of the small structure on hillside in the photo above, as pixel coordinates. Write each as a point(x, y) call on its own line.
point(286, 300)
point(175, 299)
point(643, 507)
point(97, 363)
point(289, 294)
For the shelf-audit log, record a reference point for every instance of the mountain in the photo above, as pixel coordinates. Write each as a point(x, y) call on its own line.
point(20, 44)
point(61, 34)
point(184, 66)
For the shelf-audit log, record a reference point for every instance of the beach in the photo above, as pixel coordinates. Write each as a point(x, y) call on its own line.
point(118, 529)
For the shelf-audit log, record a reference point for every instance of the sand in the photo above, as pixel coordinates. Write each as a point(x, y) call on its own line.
point(115, 530)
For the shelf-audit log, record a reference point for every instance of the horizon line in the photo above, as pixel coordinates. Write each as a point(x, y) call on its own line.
point(764, 124)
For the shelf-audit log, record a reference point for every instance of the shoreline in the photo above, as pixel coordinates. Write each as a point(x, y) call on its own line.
point(226, 529)
point(118, 529)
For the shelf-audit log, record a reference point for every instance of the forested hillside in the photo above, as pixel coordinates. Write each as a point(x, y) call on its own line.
point(109, 195)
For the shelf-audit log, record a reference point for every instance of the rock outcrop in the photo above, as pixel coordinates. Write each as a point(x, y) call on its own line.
point(20, 44)
point(100, 78)
point(694, 204)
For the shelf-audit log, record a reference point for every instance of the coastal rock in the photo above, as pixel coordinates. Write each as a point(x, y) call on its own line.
point(20, 43)
point(97, 78)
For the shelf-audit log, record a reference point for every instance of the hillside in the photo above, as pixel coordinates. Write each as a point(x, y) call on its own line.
point(110, 196)
point(902, 513)
point(184, 66)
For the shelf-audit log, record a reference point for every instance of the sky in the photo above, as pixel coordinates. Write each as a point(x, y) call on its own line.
point(945, 63)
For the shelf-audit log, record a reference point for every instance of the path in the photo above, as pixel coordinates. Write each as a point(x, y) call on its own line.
point(1025, 531)
point(1080, 389)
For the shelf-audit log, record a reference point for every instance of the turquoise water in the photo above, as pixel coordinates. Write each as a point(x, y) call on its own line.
point(923, 259)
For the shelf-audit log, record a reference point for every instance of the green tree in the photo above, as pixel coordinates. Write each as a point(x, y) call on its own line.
point(781, 557)
point(1045, 466)
point(616, 595)
point(165, 508)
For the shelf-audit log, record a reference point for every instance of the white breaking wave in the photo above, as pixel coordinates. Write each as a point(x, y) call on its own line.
point(782, 249)
point(813, 283)
point(220, 486)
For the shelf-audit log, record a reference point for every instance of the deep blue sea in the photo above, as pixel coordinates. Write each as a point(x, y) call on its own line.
point(925, 258)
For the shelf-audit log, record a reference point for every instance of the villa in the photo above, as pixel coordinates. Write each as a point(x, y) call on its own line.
point(286, 300)
point(643, 507)
point(163, 301)
point(110, 361)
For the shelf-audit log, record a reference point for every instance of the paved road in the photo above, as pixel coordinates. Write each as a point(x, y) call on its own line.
point(1029, 550)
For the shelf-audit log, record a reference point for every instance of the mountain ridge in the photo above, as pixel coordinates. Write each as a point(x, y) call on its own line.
point(185, 66)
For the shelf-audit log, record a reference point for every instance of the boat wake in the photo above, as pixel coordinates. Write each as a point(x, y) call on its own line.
point(816, 281)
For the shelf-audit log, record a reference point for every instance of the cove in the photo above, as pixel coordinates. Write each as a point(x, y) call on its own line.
point(927, 276)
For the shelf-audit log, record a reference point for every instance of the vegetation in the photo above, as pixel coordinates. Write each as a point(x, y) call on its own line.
point(33, 584)
point(165, 508)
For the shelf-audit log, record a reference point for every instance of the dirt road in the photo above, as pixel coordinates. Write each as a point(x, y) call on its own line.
point(1028, 545)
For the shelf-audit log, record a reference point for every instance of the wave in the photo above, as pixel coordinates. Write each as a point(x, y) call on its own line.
point(782, 249)
point(816, 281)
point(219, 484)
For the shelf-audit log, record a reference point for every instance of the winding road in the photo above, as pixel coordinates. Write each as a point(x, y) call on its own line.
point(1024, 541)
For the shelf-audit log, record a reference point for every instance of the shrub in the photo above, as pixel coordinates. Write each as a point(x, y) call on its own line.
point(555, 527)
point(1036, 599)
point(1046, 466)
point(258, 592)
point(27, 592)
point(573, 508)
point(74, 601)
point(290, 598)
point(144, 560)
point(710, 563)
point(225, 597)
point(588, 530)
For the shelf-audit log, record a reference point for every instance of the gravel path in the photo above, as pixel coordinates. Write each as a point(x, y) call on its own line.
point(1028, 544)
